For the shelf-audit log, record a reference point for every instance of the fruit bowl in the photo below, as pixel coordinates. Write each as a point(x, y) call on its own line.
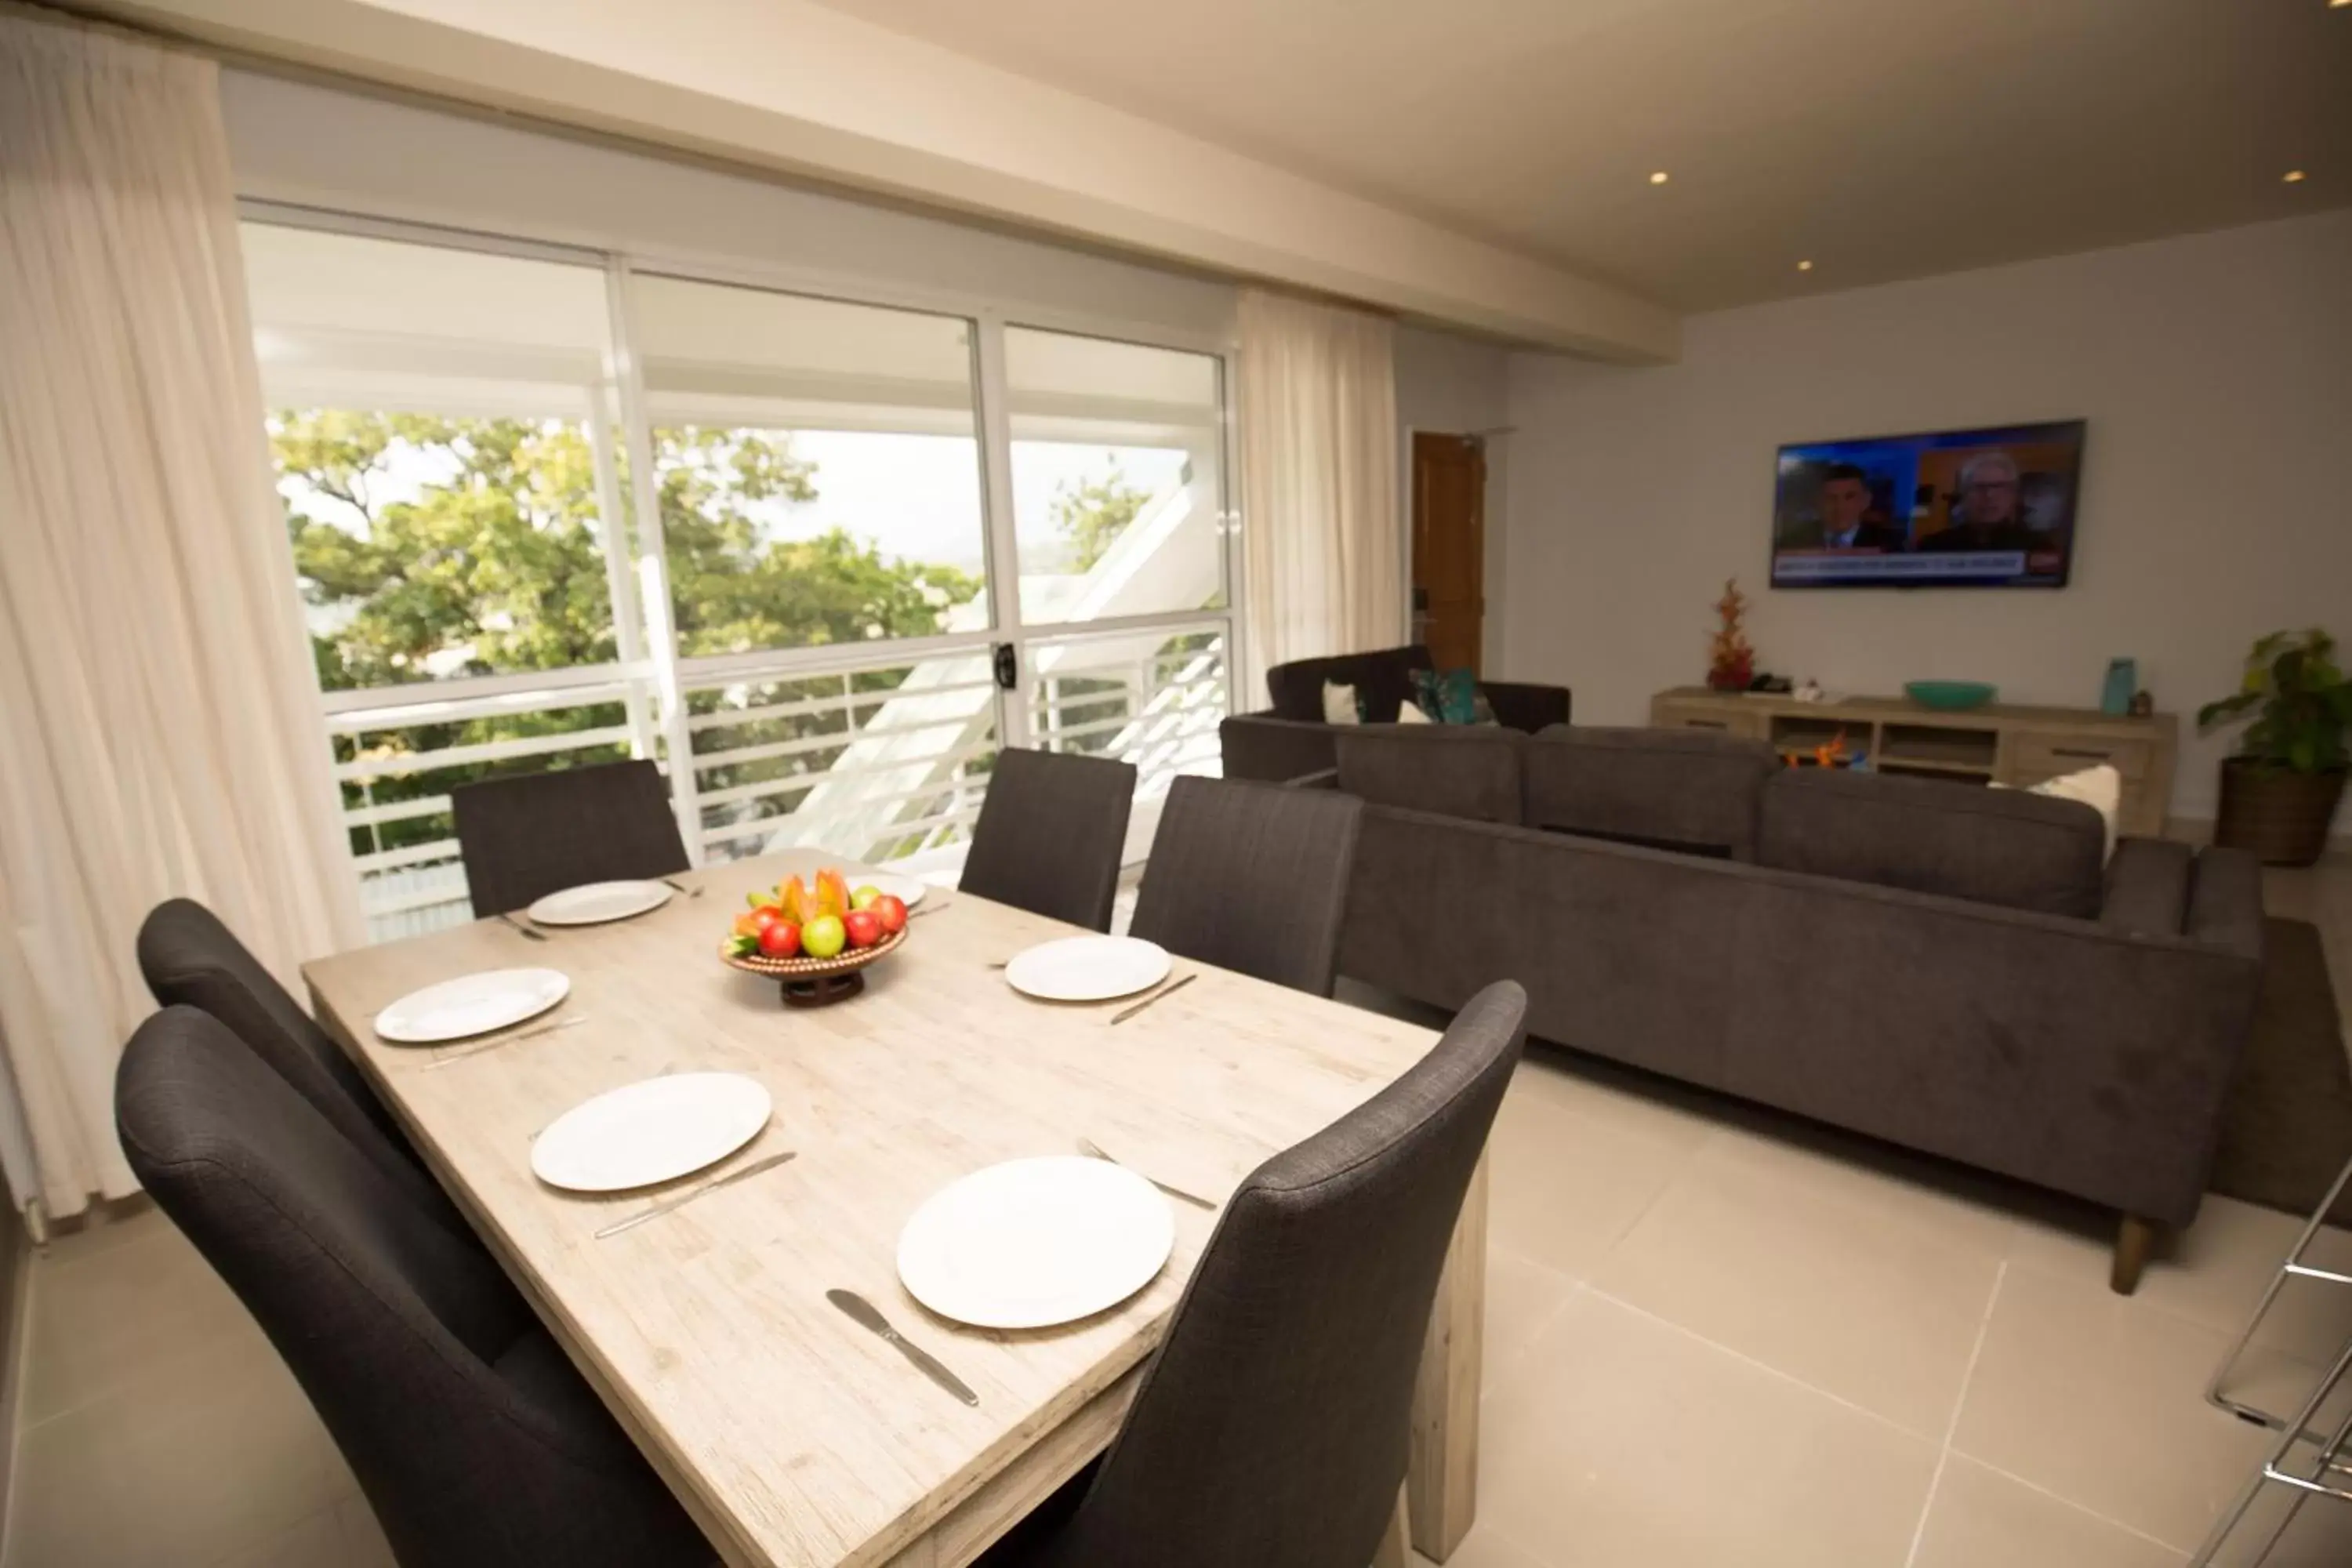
point(815, 940)
point(816, 981)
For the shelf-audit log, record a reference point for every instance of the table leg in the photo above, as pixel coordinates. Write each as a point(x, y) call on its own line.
point(1442, 1487)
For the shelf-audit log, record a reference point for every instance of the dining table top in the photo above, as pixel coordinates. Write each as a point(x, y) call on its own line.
point(795, 1437)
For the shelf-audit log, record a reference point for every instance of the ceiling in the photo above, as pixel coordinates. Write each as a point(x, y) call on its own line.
point(1878, 139)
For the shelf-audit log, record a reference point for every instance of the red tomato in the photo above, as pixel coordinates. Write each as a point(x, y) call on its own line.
point(891, 911)
point(779, 939)
point(865, 927)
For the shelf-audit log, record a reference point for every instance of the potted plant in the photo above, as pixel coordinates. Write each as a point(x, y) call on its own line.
point(2280, 790)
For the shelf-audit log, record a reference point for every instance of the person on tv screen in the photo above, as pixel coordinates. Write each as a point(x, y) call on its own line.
point(1847, 520)
point(1988, 516)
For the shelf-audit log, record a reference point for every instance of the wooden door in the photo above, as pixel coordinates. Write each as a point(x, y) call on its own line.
point(1449, 546)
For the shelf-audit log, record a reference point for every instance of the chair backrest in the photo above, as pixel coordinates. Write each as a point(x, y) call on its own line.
point(190, 958)
point(535, 833)
point(1252, 877)
point(1051, 834)
point(426, 1367)
point(1273, 1426)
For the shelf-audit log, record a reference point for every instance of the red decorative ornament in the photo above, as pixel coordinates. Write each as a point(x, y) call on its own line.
point(1730, 661)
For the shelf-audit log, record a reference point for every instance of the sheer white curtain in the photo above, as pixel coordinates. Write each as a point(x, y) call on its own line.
point(159, 721)
point(1322, 540)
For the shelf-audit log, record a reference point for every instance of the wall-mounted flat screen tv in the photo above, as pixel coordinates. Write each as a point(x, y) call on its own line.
point(1977, 508)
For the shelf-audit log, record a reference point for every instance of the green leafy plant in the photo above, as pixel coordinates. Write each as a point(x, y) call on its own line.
point(2301, 701)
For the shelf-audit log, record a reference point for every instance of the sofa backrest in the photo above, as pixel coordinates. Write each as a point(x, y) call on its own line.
point(2011, 848)
point(1690, 790)
point(1382, 679)
point(1452, 770)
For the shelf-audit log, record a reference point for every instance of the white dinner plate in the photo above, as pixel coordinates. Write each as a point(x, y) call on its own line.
point(656, 1130)
point(594, 903)
point(471, 1005)
point(1088, 968)
point(1032, 1243)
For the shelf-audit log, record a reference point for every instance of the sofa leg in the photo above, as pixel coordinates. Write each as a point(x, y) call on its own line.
point(2135, 1239)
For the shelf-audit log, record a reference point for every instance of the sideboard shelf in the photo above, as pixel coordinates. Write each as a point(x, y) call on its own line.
point(2003, 743)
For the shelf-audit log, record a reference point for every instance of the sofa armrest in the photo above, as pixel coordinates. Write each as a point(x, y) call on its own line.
point(2225, 902)
point(1270, 750)
point(1520, 706)
point(2148, 888)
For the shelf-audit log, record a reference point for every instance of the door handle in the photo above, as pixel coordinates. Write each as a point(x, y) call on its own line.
point(1008, 666)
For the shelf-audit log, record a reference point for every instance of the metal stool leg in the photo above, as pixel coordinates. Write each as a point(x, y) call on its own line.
point(2331, 1459)
point(2292, 1269)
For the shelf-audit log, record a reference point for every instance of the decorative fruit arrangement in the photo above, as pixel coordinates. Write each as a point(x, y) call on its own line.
point(817, 920)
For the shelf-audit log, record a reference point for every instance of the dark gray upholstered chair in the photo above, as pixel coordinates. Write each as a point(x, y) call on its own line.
point(536, 833)
point(1050, 835)
point(190, 959)
point(1271, 1430)
point(476, 1444)
point(1252, 877)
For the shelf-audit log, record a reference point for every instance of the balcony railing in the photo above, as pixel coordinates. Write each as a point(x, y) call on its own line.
point(885, 762)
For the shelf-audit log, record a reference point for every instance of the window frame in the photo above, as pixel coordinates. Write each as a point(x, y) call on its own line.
point(650, 667)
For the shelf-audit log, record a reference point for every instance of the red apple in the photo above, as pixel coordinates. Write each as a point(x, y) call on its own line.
point(779, 939)
point(764, 916)
point(891, 911)
point(863, 926)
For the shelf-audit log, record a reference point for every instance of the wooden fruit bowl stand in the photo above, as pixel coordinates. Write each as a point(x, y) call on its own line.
point(818, 982)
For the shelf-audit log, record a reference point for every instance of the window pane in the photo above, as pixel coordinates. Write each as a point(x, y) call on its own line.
point(887, 762)
point(435, 417)
point(818, 467)
point(1117, 481)
point(1151, 697)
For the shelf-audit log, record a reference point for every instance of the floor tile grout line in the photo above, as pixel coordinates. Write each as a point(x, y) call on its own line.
point(1952, 1426)
point(1766, 1367)
point(2067, 1503)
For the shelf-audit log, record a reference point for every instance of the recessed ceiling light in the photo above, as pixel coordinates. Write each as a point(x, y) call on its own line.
point(1659, 178)
point(1804, 266)
point(2292, 177)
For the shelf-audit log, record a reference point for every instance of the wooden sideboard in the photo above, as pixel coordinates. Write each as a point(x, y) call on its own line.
point(1999, 744)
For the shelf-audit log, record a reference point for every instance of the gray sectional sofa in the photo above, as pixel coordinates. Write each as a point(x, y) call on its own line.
point(1958, 970)
point(1290, 739)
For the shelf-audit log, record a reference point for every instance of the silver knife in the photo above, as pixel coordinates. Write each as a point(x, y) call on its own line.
point(688, 1197)
point(862, 1312)
point(1124, 1013)
point(529, 930)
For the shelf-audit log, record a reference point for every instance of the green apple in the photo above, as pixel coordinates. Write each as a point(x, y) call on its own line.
point(866, 897)
point(823, 936)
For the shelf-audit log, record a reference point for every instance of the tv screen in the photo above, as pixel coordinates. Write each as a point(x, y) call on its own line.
point(1979, 509)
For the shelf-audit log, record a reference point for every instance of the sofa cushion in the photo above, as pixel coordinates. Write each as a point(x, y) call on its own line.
point(1466, 770)
point(1963, 841)
point(1382, 679)
point(1691, 790)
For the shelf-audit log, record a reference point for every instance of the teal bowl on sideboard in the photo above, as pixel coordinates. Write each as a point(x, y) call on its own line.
point(1950, 695)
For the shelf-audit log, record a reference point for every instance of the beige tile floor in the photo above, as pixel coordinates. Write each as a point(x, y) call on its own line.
point(1713, 1338)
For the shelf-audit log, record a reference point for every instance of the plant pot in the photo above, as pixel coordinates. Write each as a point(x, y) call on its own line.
point(2279, 814)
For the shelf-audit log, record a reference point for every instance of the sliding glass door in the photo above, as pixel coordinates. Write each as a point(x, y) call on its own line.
point(819, 557)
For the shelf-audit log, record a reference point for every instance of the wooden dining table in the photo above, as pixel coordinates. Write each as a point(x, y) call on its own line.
point(793, 1436)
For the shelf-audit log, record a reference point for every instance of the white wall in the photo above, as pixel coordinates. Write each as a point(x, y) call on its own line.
point(2215, 370)
point(1459, 385)
point(317, 146)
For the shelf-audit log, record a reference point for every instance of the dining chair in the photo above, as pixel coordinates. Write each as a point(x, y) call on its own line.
point(1252, 877)
point(190, 958)
point(1051, 835)
point(1271, 1428)
point(475, 1442)
point(535, 833)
